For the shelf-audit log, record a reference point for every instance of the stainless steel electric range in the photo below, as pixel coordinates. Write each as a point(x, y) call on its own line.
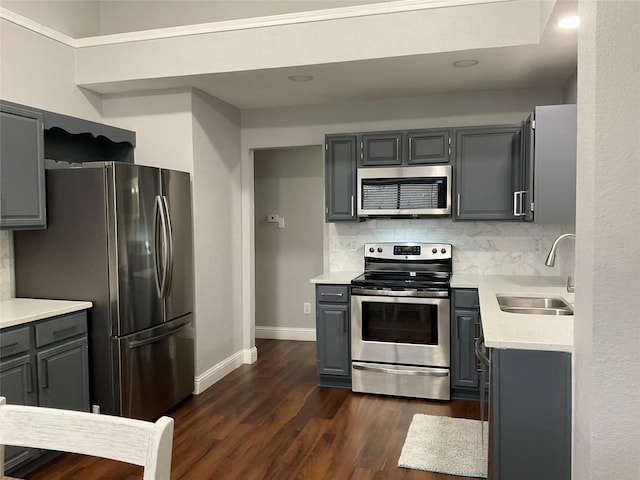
point(400, 315)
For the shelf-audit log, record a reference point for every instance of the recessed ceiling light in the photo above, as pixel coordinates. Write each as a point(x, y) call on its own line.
point(465, 63)
point(569, 22)
point(300, 78)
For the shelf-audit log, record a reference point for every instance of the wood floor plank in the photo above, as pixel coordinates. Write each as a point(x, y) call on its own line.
point(271, 421)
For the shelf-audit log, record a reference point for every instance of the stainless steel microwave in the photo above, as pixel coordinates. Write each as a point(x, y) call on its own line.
point(404, 191)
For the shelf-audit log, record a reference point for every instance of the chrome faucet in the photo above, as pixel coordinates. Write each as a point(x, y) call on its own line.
point(551, 258)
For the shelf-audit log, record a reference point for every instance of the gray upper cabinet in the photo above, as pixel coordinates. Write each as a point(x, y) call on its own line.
point(555, 134)
point(428, 146)
point(22, 182)
point(487, 172)
point(379, 149)
point(340, 178)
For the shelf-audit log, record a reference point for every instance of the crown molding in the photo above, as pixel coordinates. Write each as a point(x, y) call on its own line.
point(239, 24)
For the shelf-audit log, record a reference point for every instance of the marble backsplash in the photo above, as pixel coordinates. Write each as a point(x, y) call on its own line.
point(7, 289)
point(493, 248)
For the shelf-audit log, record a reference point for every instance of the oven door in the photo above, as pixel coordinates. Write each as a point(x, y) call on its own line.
point(400, 329)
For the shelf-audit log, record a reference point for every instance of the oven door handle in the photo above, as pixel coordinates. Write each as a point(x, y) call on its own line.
point(398, 293)
point(418, 373)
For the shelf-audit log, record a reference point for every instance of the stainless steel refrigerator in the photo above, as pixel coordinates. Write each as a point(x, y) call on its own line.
point(120, 235)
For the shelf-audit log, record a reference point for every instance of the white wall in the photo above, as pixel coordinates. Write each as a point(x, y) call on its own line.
point(40, 72)
point(606, 436)
point(289, 182)
point(217, 211)
point(76, 18)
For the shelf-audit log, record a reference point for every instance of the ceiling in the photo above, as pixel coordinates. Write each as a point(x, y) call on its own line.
point(546, 64)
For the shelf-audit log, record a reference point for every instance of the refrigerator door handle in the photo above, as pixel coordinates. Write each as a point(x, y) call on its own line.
point(157, 338)
point(160, 246)
point(169, 236)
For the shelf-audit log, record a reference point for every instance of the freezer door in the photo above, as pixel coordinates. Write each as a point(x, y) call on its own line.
point(135, 219)
point(156, 368)
point(176, 191)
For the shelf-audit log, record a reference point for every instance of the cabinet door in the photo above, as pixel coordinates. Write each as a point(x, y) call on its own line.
point(63, 375)
point(429, 146)
point(333, 327)
point(464, 367)
point(22, 185)
point(530, 415)
point(487, 168)
point(17, 385)
point(555, 164)
point(340, 178)
point(379, 149)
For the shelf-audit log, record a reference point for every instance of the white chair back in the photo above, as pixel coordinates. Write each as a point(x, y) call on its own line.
point(124, 439)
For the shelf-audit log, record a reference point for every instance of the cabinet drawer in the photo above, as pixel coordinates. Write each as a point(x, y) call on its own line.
point(57, 329)
point(467, 298)
point(332, 293)
point(14, 341)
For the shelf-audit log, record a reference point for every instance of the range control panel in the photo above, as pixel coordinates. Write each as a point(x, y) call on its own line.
point(408, 251)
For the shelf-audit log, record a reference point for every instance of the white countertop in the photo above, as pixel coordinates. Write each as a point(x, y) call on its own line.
point(338, 278)
point(17, 311)
point(520, 331)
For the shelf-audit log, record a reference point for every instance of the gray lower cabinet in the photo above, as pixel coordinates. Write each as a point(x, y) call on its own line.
point(465, 329)
point(22, 184)
point(530, 422)
point(333, 335)
point(487, 172)
point(340, 178)
point(44, 363)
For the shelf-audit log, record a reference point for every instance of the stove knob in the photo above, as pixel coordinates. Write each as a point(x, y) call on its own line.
point(379, 250)
point(444, 250)
point(371, 249)
point(434, 251)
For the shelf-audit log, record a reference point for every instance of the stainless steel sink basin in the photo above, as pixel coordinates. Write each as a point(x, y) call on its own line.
point(534, 305)
point(538, 311)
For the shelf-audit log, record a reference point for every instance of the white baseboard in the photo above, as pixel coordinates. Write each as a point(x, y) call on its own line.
point(286, 333)
point(224, 368)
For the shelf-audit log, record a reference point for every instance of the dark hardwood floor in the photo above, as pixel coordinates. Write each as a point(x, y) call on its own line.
point(270, 420)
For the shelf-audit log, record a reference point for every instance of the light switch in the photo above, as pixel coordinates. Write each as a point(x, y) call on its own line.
point(272, 218)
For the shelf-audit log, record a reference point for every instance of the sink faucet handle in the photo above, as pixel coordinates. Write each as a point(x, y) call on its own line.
point(571, 286)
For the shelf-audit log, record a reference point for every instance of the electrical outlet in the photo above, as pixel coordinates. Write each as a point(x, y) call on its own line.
point(273, 218)
point(306, 308)
point(281, 222)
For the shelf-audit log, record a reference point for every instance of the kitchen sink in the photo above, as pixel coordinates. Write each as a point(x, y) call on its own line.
point(534, 305)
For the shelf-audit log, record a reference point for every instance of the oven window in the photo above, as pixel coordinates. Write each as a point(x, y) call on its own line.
point(400, 323)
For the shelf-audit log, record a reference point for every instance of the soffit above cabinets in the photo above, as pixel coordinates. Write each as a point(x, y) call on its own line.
point(385, 50)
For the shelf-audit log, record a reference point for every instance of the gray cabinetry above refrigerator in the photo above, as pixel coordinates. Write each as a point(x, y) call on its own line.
point(22, 185)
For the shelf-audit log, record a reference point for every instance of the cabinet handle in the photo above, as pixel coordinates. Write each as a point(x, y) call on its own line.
point(331, 294)
point(458, 205)
point(9, 345)
point(70, 329)
point(45, 373)
point(352, 212)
